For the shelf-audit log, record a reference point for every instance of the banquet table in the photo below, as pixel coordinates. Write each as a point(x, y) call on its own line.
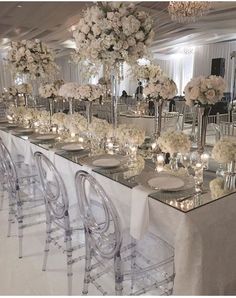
point(202, 233)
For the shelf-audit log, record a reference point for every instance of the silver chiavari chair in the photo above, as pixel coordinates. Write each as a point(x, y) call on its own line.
point(24, 196)
point(227, 129)
point(59, 225)
point(141, 266)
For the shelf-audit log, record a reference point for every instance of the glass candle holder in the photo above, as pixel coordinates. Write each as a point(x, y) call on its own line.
point(198, 177)
point(160, 162)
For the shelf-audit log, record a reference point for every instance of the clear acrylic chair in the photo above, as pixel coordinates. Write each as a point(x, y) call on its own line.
point(60, 228)
point(137, 267)
point(24, 196)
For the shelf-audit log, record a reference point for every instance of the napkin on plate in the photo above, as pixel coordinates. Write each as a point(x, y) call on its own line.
point(139, 219)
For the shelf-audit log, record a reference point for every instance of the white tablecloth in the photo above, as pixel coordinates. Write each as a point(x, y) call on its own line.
point(203, 239)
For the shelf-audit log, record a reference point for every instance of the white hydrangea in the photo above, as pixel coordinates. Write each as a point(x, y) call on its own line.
point(217, 188)
point(224, 151)
point(127, 134)
point(174, 142)
point(204, 90)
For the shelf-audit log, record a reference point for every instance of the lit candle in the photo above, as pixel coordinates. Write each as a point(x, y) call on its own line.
point(154, 146)
point(72, 135)
point(205, 160)
point(54, 129)
point(81, 140)
point(110, 148)
point(160, 163)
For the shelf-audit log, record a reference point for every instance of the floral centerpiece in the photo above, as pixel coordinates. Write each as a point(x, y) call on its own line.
point(160, 90)
point(217, 188)
point(149, 72)
point(174, 142)
point(204, 92)
point(110, 33)
point(33, 58)
point(50, 90)
point(224, 151)
point(24, 88)
point(75, 123)
point(21, 89)
point(89, 93)
point(69, 90)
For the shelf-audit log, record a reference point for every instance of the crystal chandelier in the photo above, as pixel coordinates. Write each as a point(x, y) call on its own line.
point(188, 11)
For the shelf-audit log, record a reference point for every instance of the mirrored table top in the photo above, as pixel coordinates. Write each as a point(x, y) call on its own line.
point(184, 200)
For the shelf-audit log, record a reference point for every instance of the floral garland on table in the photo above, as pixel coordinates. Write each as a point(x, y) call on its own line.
point(112, 32)
point(33, 58)
point(149, 72)
point(224, 151)
point(75, 123)
point(174, 142)
point(131, 135)
point(217, 188)
point(204, 91)
point(49, 90)
point(100, 128)
point(58, 118)
point(164, 88)
point(20, 114)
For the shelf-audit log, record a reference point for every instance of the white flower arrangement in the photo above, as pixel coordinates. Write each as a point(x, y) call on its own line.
point(128, 134)
point(90, 92)
point(33, 58)
point(58, 119)
point(174, 142)
point(149, 72)
point(164, 88)
point(43, 118)
point(69, 90)
point(217, 188)
point(24, 88)
point(136, 168)
point(22, 113)
point(224, 151)
point(75, 123)
point(204, 90)
point(113, 32)
point(100, 128)
point(49, 90)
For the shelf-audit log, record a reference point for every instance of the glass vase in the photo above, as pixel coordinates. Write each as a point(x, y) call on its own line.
point(230, 177)
point(115, 88)
point(50, 109)
point(88, 112)
point(174, 166)
point(158, 104)
point(71, 106)
point(203, 113)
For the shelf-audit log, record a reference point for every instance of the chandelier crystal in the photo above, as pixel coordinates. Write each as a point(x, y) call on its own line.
point(188, 11)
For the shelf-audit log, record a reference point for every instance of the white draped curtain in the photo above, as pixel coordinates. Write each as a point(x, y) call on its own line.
point(204, 55)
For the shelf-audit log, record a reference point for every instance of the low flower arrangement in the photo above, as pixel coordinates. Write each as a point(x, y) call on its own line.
point(174, 142)
point(33, 58)
point(90, 92)
point(224, 151)
point(75, 123)
point(217, 188)
point(204, 91)
point(128, 134)
point(69, 90)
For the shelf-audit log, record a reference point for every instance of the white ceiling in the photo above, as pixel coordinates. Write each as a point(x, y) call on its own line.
point(51, 22)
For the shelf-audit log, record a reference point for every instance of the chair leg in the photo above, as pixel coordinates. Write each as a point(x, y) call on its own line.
point(47, 244)
point(69, 261)
point(118, 274)
point(88, 257)
point(20, 226)
point(133, 263)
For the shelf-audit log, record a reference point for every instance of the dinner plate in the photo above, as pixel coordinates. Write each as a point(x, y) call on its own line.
point(11, 126)
point(24, 130)
point(166, 182)
point(72, 147)
point(106, 162)
point(46, 137)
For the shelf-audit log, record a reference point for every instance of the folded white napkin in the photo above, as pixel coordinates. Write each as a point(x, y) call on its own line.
point(29, 159)
point(139, 219)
